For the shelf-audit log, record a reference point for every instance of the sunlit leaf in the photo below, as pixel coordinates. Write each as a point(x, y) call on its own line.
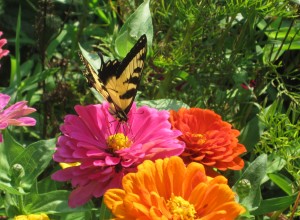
point(164, 104)
point(282, 181)
point(275, 204)
point(139, 23)
point(254, 173)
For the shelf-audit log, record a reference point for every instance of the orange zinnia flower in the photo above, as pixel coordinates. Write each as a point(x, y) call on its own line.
point(167, 189)
point(209, 140)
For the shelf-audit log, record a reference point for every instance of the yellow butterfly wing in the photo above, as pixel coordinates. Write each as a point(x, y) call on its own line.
point(117, 81)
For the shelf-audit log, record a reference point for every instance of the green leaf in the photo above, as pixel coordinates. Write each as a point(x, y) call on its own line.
point(8, 188)
point(9, 149)
point(271, 205)
point(296, 1)
point(251, 133)
point(254, 173)
point(51, 203)
point(15, 78)
point(275, 163)
point(31, 82)
point(164, 104)
point(21, 166)
point(282, 181)
point(47, 184)
point(88, 214)
point(57, 41)
point(136, 25)
point(34, 159)
point(105, 213)
point(92, 58)
point(11, 204)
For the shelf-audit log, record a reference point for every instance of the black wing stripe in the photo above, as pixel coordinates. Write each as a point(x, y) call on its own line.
point(93, 79)
point(128, 76)
point(138, 49)
point(117, 81)
point(129, 94)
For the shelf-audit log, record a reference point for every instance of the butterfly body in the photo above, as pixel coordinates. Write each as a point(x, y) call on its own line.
point(117, 81)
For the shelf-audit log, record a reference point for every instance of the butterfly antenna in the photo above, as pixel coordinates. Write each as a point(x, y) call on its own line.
point(101, 57)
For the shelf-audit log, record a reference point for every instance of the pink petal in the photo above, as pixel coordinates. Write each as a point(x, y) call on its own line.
point(24, 121)
point(112, 160)
point(3, 125)
point(2, 42)
point(84, 140)
point(4, 100)
point(3, 53)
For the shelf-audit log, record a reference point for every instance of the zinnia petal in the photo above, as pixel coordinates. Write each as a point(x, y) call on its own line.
point(4, 100)
point(167, 189)
point(208, 139)
point(2, 51)
point(13, 115)
point(104, 156)
point(32, 217)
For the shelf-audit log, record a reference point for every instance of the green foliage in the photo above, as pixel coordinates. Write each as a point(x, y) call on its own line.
point(238, 58)
point(137, 24)
point(254, 174)
point(282, 135)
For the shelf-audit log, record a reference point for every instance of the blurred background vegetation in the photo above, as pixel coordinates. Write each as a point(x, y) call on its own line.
point(238, 58)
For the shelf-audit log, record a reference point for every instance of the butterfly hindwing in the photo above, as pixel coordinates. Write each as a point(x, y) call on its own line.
point(117, 81)
point(93, 78)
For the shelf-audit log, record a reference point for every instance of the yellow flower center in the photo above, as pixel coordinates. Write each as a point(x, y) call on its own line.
point(180, 208)
point(118, 141)
point(199, 138)
point(67, 165)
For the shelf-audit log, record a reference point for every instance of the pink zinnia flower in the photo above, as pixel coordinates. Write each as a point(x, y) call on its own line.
point(2, 43)
point(102, 157)
point(13, 115)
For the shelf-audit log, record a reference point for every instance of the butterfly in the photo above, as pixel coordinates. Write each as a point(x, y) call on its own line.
point(117, 81)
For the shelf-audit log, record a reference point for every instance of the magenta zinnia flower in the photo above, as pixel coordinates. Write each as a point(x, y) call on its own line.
point(13, 115)
point(103, 157)
point(2, 43)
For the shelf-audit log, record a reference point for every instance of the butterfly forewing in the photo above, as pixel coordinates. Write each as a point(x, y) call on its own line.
point(117, 81)
point(122, 86)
